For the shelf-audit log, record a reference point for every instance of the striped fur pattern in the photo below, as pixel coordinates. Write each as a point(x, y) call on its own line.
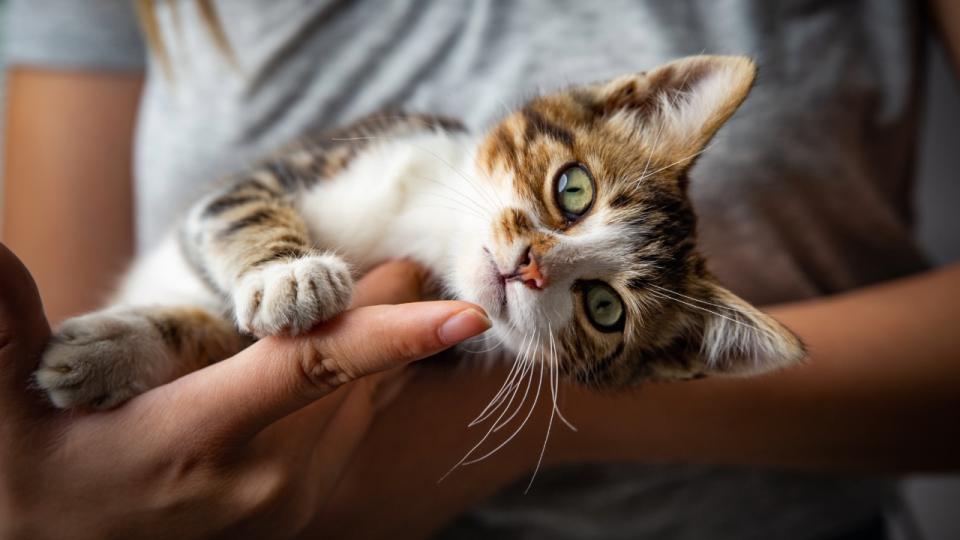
point(274, 251)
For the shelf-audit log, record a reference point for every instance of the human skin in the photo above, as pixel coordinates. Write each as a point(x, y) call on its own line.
point(68, 201)
point(879, 393)
point(249, 447)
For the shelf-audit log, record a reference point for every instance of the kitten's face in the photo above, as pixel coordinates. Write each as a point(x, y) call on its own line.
point(591, 254)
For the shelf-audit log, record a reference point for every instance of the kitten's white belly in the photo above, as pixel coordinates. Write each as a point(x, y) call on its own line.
point(398, 199)
point(395, 200)
point(164, 277)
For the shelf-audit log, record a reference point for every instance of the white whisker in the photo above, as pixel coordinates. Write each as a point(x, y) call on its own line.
point(480, 443)
point(465, 197)
point(507, 385)
point(556, 382)
point(656, 141)
point(553, 413)
point(531, 362)
point(533, 406)
point(694, 299)
point(454, 210)
point(722, 316)
point(499, 343)
point(436, 156)
point(677, 162)
point(460, 204)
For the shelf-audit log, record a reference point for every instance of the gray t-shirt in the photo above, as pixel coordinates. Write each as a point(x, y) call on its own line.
point(806, 192)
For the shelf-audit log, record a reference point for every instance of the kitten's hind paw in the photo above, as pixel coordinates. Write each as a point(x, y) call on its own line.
point(101, 360)
point(290, 297)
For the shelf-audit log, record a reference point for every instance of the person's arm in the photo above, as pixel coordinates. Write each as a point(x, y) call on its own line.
point(946, 14)
point(880, 392)
point(246, 448)
point(67, 180)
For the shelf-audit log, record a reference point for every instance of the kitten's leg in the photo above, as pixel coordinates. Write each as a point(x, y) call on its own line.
point(106, 357)
point(254, 247)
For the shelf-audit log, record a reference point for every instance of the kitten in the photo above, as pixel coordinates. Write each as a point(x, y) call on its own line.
point(568, 221)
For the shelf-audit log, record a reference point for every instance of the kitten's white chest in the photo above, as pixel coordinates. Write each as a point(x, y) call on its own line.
point(406, 198)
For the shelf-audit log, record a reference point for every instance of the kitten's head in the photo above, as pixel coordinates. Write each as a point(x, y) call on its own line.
point(592, 251)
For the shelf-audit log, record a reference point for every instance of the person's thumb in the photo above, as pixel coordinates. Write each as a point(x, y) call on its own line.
point(274, 377)
point(23, 331)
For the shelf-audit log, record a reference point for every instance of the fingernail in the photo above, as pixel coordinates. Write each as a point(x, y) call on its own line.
point(463, 325)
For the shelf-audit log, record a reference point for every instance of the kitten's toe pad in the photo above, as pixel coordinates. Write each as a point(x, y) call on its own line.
point(290, 297)
point(101, 360)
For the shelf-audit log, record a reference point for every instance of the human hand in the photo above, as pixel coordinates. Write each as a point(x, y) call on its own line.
point(410, 477)
point(858, 404)
point(249, 447)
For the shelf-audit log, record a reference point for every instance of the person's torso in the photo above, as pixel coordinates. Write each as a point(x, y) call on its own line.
point(805, 192)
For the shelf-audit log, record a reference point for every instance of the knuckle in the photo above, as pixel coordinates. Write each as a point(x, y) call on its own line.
point(189, 465)
point(336, 359)
point(190, 457)
point(322, 371)
point(183, 453)
point(270, 490)
point(263, 488)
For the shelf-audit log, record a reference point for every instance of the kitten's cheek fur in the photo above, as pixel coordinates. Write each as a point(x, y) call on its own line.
point(474, 282)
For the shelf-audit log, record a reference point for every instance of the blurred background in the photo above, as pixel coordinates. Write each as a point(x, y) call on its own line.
point(932, 501)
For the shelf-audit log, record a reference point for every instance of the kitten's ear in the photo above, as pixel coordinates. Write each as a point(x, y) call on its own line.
point(737, 339)
point(682, 104)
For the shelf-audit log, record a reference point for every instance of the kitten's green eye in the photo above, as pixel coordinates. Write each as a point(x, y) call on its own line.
point(603, 306)
point(574, 191)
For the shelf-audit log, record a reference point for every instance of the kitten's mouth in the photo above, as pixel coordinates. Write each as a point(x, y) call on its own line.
point(497, 286)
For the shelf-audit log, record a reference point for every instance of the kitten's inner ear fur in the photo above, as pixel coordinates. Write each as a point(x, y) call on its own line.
point(737, 339)
point(682, 104)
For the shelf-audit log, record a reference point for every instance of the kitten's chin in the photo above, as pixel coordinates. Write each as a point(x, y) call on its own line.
point(477, 280)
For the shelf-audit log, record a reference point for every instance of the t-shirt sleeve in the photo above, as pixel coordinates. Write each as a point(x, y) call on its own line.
point(74, 34)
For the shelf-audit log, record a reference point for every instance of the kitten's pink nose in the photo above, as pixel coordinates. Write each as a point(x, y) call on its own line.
point(529, 272)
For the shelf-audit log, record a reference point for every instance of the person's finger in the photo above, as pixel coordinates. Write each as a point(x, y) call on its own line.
point(394, 282)
point(23, 330)
point(238, 397)
point(339, 438)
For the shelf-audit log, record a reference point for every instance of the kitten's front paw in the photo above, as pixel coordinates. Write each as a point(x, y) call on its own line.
point(290, 297)
point(101, 360)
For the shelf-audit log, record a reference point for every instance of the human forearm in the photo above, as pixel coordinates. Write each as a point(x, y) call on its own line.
point(392, 488)
point(881, 391)
point(67, 203)
point(946, 14)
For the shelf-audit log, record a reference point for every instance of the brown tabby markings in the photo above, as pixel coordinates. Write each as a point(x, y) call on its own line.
point(513, 225)
point(573, 127)
point(195, 335)
point(637, 236)
point(251, 222)
point(537, 125)
point(252, 219)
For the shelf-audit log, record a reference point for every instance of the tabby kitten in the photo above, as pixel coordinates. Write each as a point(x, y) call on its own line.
point(568, 221)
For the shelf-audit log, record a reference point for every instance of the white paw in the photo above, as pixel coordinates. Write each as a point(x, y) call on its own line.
point(101, 360)
point(291, 297)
